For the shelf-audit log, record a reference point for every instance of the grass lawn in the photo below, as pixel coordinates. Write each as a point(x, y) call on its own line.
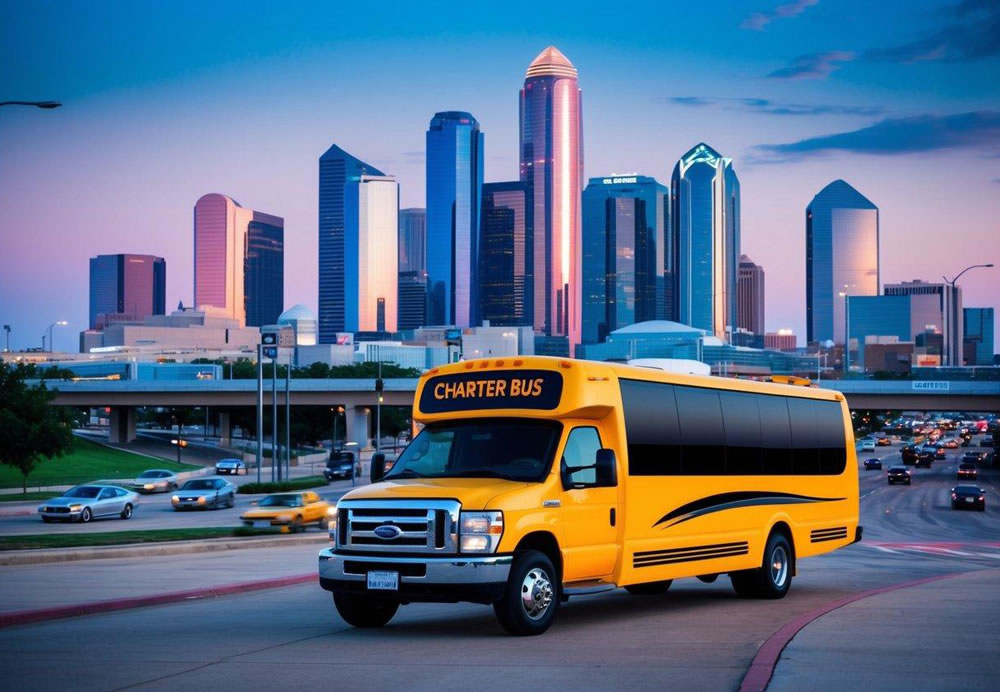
point(79, 540)
point(87, 462)
point(18, 497)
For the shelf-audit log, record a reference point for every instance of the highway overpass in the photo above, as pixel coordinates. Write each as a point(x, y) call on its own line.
point(358, 397)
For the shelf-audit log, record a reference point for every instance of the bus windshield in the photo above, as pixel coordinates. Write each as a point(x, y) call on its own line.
point(508, 448)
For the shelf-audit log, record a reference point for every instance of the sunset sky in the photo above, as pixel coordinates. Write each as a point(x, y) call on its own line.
point(164, 102)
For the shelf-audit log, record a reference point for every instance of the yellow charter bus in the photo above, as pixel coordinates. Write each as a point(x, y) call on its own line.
point(535, 479)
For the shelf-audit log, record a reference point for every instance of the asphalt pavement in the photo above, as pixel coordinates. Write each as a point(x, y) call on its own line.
point(697, 636)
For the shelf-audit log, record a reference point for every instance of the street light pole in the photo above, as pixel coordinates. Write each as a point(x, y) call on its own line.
point(60, 323)
point(955, 347)
point(47, 105)
point(288, 419)
point(6, 328)
point(260, 407)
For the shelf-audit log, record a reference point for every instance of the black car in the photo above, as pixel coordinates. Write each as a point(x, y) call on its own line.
point(909, 454)
point(973, 457)
point(967, 472)
point(986, 442)
point(340, 465)
point(899, 474)
point(966, 440)
point(924, 459)
point(968, 497)
point(873, 464)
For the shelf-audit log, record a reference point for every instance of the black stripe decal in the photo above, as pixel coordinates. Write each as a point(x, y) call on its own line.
point(724, 501)
point(834, 534)
point(652, 558)
point(829, 538)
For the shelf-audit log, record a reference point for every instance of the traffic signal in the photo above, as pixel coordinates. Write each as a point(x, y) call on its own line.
point(269, 338)
point(379, 385)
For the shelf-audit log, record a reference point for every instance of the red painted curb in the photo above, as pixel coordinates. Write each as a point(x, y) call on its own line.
point(24, 617)
point(762, 667)
point(18, 513)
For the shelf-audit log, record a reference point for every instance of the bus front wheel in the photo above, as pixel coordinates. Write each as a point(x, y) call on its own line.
point(773, 578)
point(531, 598)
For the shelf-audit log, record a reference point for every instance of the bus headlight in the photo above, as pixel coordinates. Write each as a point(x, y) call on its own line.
point(480, 532)
point(331, 522)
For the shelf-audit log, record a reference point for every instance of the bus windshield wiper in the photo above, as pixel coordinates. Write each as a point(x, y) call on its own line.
point(405, 473)
point(481, 473)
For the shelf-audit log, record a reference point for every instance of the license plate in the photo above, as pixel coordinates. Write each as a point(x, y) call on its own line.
point(968, 499)
point(261, 524)
point(383, 581)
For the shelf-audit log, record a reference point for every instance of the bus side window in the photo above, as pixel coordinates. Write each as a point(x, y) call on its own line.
point(581, 451)
point(775, 434)
point(702, 432)
point(803, 419)
point(742, 421)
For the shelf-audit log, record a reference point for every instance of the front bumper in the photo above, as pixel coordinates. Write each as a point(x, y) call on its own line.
point(478, 579)
point(186, 504)
point(64, 516)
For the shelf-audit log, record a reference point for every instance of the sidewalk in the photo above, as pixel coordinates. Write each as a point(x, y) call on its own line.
point(939, 635)
point(46, 586)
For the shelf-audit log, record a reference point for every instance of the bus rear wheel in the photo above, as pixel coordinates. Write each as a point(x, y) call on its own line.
point(653, 588)
point(773, 578)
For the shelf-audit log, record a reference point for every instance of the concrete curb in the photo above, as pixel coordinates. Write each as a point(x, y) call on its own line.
point(24, 617)
point(208, 545)
point(761, 669)
point(19, 512)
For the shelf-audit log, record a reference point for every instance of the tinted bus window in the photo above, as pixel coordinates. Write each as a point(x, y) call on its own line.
point(742, 423)
point(830, 438)
point(805, 453)
point(651, 428)
point(702, 432)
point(776, 439)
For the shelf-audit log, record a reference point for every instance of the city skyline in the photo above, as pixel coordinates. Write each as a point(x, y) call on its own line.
point(858, 94)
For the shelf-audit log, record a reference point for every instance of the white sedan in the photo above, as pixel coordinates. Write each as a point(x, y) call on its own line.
point(155, 481)
point(92, 501)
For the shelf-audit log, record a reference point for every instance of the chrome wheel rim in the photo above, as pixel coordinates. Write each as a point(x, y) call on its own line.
point(536, 593)
point(779, 566)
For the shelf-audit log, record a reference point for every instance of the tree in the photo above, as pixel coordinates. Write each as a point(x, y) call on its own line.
point(30, 428)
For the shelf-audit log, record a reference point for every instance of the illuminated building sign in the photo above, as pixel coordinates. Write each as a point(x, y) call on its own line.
point(617, 181)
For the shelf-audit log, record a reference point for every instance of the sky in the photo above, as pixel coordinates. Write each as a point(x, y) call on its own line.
point(165, 102)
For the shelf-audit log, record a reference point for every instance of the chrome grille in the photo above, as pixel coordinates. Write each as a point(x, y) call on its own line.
point(418, 526)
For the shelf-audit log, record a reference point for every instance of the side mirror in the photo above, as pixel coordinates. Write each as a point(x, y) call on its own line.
point(607, 468)
point(378, 467)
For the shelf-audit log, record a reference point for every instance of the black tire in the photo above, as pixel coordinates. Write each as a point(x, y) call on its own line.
point(653, 588)
point(362, 610)
point(907, 481)
point(127, 512)
point(298, 526)
point(773, 578)
point(232, 500)
point(531, 598)
point(86, 515)
point(48, 520)
point(324, 524)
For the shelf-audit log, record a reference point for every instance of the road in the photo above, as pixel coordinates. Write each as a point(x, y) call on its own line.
point(698, 636)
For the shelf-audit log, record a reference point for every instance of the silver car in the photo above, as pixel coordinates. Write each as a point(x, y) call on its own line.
point(91, 501)
point(155, 481)
point(202, 493)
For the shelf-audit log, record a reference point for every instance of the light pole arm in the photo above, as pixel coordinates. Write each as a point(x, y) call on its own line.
point(959, 276)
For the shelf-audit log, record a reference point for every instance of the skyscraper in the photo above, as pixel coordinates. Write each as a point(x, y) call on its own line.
point(505, 254)
point(335, 167)
point(624, 230)
point(750, 296)
point(126, 288)
point(412, 285)
point(454, 189)
point(841, 257)
point(947, 319)
point(978, 336)
point(412, 240)
point(551, 158)
point(705, 198)
point(371, 236)
point(238, 260)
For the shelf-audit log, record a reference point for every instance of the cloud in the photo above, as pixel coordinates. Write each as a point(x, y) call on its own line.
point(758, 20)
point(813, 65)
point(766, 106)
point(894, 136)
point(966, 31)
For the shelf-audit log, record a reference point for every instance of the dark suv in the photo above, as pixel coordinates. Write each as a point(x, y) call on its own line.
point(899, 474)
point(340, 465)
point(909, 454)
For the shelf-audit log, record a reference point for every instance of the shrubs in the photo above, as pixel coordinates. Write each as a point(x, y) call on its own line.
point(282, 487)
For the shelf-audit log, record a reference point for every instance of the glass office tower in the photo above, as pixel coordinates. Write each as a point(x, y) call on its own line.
point(750, 296)
point(705, 196)
point(126, 288)
point(841, 257)
point(335, 167)
point(978, 336)
point(371, 236)
point(551, 163)
point(625, 222)
point(264, 269)
point(506, 261)
point(454, 189)
point(412, 285)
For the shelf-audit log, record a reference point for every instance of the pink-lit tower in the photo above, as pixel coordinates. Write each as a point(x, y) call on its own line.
point(552, 165)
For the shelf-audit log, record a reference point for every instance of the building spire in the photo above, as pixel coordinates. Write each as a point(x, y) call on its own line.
point(551, 62)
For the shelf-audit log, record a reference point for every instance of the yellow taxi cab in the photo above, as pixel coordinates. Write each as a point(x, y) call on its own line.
point(537, 479)
point(288, 510)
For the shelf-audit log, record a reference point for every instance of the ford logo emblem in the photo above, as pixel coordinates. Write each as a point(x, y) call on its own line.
point(387, 531)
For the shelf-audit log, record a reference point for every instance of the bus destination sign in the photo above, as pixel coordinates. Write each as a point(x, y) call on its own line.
point(528, 389)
